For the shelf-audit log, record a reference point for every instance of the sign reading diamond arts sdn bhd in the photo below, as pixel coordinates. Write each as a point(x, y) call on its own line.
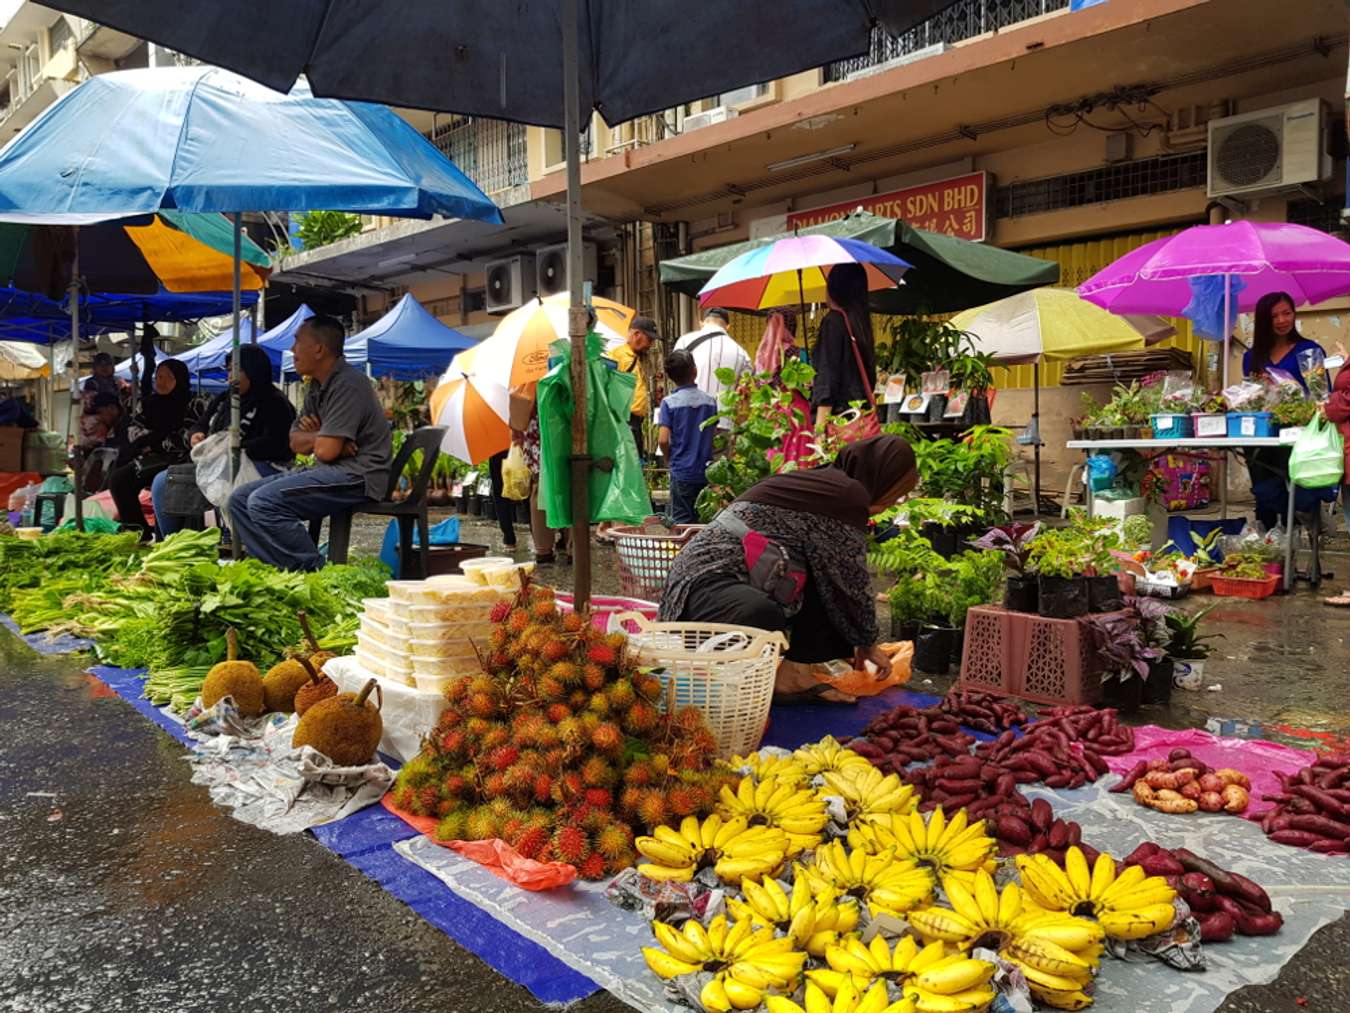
point(956, 207)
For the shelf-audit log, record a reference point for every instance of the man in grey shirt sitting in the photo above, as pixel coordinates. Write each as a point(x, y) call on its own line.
point(343, 426)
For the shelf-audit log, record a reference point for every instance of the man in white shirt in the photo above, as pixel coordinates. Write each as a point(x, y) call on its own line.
point(713, 349)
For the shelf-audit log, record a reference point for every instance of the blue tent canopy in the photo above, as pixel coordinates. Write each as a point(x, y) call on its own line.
point(407, 343)
point(214, 356)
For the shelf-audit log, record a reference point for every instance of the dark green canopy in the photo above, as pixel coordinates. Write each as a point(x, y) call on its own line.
point(949, 274)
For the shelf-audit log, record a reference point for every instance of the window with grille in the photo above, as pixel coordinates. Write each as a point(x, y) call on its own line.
point(958, 22)
point(1141, 178)
point(1318, 215)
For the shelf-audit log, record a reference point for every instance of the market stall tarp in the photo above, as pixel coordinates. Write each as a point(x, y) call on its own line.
point(948, 274)
point(21, 361)
point(214, 356)
point(407, 343)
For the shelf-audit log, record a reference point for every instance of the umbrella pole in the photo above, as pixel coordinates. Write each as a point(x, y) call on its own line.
point(576, 314)
point(233, 373)
point(801, 311)
point(1036, 448)
point(73, 296)
point(1227, 331)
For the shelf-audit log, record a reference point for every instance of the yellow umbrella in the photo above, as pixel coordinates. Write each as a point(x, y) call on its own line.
point(473, 401)
point(1052, 323)
point(1049, 323)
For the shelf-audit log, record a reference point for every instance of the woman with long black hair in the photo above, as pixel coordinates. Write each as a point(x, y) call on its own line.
point(1276, 344)
point(845, 355)
point(158, 439)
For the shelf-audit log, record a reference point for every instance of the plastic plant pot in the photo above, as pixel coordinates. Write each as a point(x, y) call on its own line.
point(1021, 594)
point(1062, 597)
point(1104, 594)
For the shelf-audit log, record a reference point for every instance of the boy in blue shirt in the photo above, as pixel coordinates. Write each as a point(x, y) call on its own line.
point(685, 441)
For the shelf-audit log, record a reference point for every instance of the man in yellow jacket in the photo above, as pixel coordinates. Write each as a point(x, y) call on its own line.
point(642, 334)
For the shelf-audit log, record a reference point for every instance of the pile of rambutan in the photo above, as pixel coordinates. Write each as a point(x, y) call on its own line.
point(562, 747)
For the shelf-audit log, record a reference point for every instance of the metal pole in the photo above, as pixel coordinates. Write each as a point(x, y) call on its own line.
point(1036, 448)
point(234, 369)
point(576, 313)
point(73, 296)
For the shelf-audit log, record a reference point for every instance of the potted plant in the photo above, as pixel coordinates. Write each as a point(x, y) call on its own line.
point(939, 521)
point(1206, 565)
point(1061, 588)
point(1152, 615)
point(1096, 538)
point(974, 579)
point(973, 373)
point(908, 599)
point(967, 471)
point(1014, 542)
point(933, 642)
point(1187, 647)
point(1126, 658)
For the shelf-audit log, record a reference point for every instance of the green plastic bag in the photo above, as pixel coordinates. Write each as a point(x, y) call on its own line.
point(617, 486)
point(1318, 458)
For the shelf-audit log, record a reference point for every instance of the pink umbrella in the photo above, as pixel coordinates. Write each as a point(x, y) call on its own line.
point(1269, 256)
point(1266, 256)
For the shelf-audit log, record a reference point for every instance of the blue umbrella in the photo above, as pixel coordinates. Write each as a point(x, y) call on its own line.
point(203, 139)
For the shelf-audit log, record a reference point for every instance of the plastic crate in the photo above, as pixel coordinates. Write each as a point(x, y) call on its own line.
point(1209, 425)
point(645, 556)
point(1237, 587)
point(987, 653)
point(1171, 427)
point(1245, 425)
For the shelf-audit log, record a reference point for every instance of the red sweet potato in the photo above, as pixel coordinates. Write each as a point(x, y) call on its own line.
point(1217, 927)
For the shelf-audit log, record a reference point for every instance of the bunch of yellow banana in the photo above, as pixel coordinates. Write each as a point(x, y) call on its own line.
point(760, 766)
point(1129, 906)
point(883, 883)
point(826, 756)
point(788, 805)
point(732, 848)
point(1056, 952)
point(813, 922)
point(745, 962)
point(848, 999)
point(947, 847)
point(937, 983)
point(869, 794)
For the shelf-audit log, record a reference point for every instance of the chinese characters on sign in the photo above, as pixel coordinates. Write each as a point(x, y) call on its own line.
point(955, 207)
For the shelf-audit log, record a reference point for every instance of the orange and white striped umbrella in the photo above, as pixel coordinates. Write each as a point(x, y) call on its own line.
point(516, 355)
point(474, 414)
point(473, 400)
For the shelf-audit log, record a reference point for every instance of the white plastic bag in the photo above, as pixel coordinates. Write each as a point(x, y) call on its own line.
point(212, 458)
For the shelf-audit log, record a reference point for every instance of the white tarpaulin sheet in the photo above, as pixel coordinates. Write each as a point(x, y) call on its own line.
point(583, 929)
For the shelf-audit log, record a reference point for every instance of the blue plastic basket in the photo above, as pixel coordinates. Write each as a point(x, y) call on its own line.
point(1245, 425)
point(1171, 427)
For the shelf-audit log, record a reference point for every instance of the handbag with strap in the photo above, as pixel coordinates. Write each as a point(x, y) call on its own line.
point(182, 496)
point(857, 423)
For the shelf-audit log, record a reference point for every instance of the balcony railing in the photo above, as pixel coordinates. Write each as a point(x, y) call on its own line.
point(964, 20)
point(492, 153)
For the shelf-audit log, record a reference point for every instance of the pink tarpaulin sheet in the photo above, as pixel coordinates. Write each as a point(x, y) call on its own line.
point(1256, 758)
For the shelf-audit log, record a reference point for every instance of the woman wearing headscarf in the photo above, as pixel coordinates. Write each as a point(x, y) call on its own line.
point(265, 417)
point(158, 438)
point(791, 555)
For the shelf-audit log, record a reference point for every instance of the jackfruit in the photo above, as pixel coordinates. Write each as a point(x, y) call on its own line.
point(345, 728)
point(234, 678)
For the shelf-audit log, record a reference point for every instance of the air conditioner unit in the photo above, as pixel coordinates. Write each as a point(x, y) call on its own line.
point(510, 283)
point(550, 267)
point(1268, 150)
point(706, 119)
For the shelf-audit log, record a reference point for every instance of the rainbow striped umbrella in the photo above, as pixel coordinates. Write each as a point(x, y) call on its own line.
point(793, 270)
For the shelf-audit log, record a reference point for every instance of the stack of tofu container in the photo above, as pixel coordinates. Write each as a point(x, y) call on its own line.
point(428, 632)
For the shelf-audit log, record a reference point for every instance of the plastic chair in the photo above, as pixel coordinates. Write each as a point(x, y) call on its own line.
point(409, 513)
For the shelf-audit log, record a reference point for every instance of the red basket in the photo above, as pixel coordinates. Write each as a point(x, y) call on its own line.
point(1238, 587)
point(645, 556)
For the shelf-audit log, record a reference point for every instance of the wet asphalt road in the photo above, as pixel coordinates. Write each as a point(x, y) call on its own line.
point(123, 888)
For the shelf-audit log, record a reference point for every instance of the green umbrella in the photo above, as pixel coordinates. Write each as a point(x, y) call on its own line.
point(948, 274)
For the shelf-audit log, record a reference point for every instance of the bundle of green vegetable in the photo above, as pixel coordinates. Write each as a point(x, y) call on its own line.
point(27, 563)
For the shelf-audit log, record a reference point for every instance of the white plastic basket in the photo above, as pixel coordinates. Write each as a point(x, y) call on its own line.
point(727, 672)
